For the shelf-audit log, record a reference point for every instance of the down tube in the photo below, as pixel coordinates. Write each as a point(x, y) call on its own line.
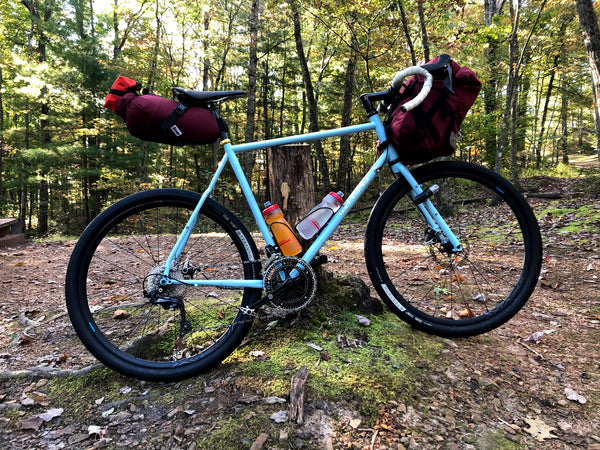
point(345, 209)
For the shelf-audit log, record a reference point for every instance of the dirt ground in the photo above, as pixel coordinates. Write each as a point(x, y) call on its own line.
point(505, 389)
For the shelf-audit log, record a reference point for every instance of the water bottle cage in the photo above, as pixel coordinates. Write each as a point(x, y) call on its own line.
point(318, 209)
point(280, 223)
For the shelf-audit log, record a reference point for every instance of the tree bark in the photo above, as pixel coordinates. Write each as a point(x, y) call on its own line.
point(555, 64)
point(310, 97)
point(409, 42)
point(490, 88)
point(291, 181)
point(591, 37)
point(2, 195)
point(252, 65)
point(424, 38)
point(344, 163)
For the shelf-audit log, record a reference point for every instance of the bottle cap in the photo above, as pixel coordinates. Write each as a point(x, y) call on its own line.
point(270, 208)
point(337, 197)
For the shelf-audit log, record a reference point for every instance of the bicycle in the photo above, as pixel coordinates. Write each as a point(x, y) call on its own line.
point(165, 284)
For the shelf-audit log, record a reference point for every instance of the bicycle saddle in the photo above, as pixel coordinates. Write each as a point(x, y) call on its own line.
point(205, 97)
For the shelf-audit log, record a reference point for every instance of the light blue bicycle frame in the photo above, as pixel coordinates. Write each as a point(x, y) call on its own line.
point(429, 212)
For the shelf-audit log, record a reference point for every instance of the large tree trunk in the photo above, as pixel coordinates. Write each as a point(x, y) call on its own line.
point(591, 37)
point(310, 97)
point(290, 180)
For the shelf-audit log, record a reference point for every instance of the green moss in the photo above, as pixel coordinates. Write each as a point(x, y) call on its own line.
point(241, 430)
point(76, 394)
point(492, 440)
point(380, 366)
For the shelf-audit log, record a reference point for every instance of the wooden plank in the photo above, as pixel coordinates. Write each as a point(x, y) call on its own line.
point(6, 224)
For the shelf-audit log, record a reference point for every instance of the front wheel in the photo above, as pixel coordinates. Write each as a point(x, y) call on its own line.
point(126, 315)
point(455, 293)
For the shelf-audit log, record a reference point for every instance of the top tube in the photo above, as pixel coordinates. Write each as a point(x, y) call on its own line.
point(309, 137)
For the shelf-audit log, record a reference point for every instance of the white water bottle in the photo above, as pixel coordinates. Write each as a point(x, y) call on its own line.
point(320, 215)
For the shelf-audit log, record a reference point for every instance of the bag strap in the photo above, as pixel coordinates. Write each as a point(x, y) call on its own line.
point(169, 122)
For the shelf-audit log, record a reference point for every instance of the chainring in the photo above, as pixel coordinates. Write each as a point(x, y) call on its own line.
point(290, 283)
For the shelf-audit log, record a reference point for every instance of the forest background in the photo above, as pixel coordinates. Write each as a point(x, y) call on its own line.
point(63, 157)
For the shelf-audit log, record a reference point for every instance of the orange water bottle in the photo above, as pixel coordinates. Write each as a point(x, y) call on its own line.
point(281, 230)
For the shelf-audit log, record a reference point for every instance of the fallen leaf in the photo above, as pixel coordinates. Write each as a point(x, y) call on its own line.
point(125, 390)
point(363, 321)
point(574, 396)
point(535, 337)
point(108, 412)
point(120, 314)
point(280, 416)
point(355, 423)
point(95, 429)
point(314, 346)
point(33, 423)
point(273, 400)
point(51, 414)
point(458, 279)
point(539, 430)
point(466, 313)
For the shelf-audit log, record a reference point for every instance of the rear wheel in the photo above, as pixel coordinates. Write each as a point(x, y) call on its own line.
point(146, 329)
point(455, 293)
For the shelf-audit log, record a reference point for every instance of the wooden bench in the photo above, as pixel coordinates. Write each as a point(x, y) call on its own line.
point(10, 232)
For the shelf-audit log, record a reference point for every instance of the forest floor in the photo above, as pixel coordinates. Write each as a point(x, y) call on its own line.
point(499, 390)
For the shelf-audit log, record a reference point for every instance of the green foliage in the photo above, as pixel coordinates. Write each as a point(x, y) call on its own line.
point(57, 68)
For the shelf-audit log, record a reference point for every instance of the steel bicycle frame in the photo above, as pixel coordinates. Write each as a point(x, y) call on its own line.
point(429, 212)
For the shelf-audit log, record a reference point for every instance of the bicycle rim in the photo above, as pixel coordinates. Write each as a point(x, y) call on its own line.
point(464, 293)
point(142, 329)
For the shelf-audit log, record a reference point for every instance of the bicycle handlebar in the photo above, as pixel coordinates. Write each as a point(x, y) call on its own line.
point(415, 70)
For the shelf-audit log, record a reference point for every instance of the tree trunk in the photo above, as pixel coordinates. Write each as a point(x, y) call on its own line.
point(424, 38)
point(344, 164)
point(2, 195)
point(511, 85)
point(252, 64)
point(291, 180)
point(310, 97)
point(409, 42)
point(490, 88)
point(563, 153)
point(591, 37)
point(555, 64)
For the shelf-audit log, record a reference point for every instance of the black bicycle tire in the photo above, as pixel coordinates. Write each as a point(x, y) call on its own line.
point(76, 297)
point(390, 294)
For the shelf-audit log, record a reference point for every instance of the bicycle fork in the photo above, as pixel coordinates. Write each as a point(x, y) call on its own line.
point(440, 230)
